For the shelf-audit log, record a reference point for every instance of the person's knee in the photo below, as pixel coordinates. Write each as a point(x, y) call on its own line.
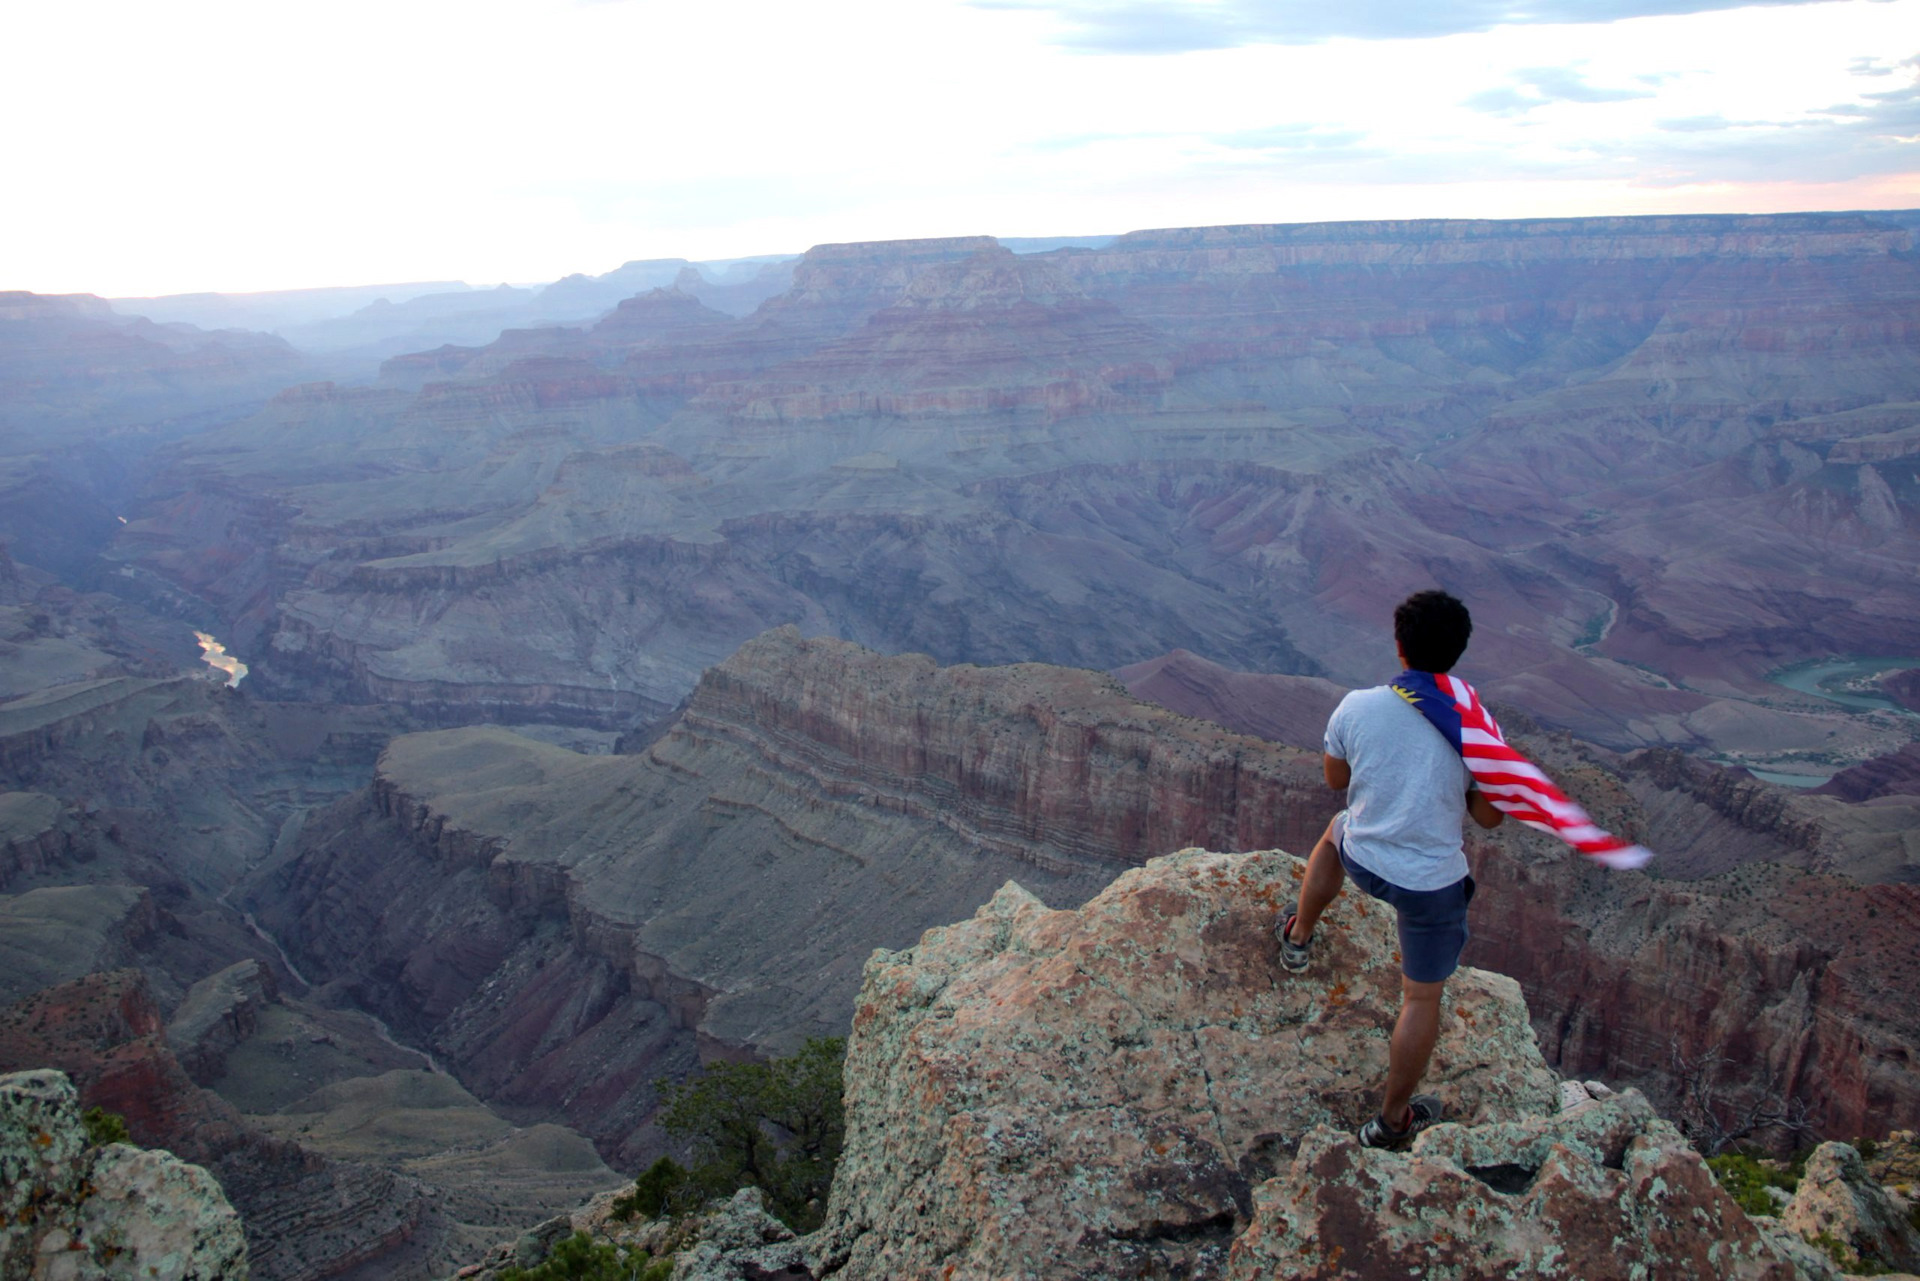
point(1417, 993)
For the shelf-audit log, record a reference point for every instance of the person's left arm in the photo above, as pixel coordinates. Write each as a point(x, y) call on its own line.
point(1482, 809)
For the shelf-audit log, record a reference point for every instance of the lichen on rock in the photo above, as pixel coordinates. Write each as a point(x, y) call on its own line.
point(1098, 1091)
point(1606, 1190)
point(77, 1213)
point(1840, 1207)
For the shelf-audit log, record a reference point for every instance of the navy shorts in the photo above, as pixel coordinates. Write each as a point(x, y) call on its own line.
point(1433, 923)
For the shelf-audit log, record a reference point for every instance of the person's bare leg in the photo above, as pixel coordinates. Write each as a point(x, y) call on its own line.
point(1324, 879)
point(1411, 1048)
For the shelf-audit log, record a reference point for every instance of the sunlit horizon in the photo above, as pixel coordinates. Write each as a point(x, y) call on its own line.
point(238, 149)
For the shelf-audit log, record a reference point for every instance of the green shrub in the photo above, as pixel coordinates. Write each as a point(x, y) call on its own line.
point(661, 1188)
point(1846, 1258)
point(581, 1258)
point(1746, 1180)
point(777, 1126)
point(104, 1127)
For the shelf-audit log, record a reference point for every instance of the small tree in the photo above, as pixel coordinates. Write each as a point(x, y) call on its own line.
point(777, 1126)
point(1711, 1121)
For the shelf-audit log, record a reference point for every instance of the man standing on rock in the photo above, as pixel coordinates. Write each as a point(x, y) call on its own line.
point(1399, 838)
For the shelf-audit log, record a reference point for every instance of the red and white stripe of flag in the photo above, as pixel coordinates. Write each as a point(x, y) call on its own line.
point(1521, 790)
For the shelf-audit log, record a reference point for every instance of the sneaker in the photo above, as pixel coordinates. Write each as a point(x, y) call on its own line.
point(1294, 956)
point(1426, 1114)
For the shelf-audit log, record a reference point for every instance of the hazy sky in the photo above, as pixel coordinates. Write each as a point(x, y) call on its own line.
point(165, 147)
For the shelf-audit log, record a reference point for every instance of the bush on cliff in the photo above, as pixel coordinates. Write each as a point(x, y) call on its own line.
point(777, 1126)
point(581, 1258)
point(1746, 1179)
point(104, 1127)
point(665, 1187)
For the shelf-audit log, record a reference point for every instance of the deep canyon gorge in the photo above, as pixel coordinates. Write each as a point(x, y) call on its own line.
point(616, 683)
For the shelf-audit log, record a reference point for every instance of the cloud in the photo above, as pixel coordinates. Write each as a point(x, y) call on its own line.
point(1182, 26)
point(1715, 123)
point(1504, 101)
point(1538, 86)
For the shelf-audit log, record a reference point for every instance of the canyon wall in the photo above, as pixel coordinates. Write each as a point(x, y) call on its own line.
point(1618, 436)
point(563, 927)
point(568, 928)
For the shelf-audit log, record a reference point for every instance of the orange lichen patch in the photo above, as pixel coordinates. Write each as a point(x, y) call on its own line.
point(43, 1140)
point(1337, 996)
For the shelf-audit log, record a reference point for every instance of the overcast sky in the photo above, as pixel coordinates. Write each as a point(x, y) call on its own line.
point(168, 147)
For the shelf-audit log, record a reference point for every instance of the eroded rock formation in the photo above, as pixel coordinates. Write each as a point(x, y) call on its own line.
point(1840, 1203)
point(305, 1217)
point(1097, 1092)
point(570, 927)
point(70, 1211)
point(567, 927)
point(1247, 442)
point(1605, 1191)
point(1136, 1088)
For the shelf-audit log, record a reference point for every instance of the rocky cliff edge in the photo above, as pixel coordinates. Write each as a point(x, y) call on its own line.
point(73, 1211)
point(1135, 1088)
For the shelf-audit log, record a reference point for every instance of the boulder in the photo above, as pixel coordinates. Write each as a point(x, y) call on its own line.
point(737, 1240)
point(1097, 1092)
point(75, 1212)
point(1896, 1163)
point(1604, 1190)
point(1839, 1207)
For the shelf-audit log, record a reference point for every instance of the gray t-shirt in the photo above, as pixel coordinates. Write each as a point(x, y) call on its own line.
point(1409, 791)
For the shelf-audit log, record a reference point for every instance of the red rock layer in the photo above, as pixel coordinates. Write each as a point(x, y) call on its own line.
point(306, 1217)
point(1896, 774)
point(1282, 709)
point(1808, 984)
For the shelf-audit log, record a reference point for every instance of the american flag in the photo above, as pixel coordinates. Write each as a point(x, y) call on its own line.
point(1514, 784)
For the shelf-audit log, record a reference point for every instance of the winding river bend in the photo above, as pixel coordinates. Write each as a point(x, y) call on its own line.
point(215, 655)
point(1846, 681)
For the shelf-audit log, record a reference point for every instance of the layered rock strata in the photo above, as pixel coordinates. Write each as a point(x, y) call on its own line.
point(563, 927)
point(74, 1212)
point(557, 926)
point(218, 1013)
point(1626, 975)
point(1247, 442)
point(305, 1217)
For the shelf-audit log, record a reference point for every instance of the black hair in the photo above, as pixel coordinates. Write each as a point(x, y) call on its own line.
point(1432, 628)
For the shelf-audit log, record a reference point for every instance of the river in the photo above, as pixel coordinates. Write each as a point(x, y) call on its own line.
point(215, 655)
point(1845, 681)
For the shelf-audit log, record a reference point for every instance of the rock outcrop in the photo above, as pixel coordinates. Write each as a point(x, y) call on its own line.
point(305, 1217)
point(1840, 1206)
point(218, 1013)
point(1097, 1092)
point(1606, 1191)
point(70, 1211)
point(1135, 1088)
